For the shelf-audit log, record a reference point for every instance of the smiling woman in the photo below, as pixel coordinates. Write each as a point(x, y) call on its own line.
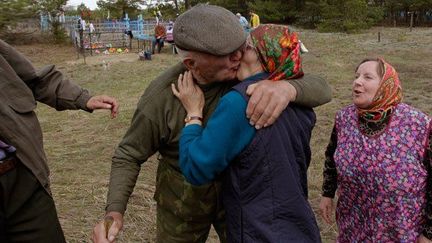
point(366, 83)
point(379, 160)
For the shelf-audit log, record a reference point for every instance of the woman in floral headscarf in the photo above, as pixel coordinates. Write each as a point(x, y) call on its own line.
point(379, 160)
point(265, 171)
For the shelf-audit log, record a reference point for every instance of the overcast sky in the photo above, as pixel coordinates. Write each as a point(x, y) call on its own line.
point(89, 3)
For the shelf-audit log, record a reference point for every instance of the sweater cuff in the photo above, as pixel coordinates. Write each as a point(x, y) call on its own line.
point(192, 129)
point(82, 100)
point(115, 207)
point(427, 230)
point(427, 234)
point(299, 90)
point(328, 194)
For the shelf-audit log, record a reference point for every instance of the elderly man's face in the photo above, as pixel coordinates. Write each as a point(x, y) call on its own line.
point(209, 68)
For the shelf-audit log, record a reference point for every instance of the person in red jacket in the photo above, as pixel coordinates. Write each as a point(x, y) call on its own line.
point(160, 35)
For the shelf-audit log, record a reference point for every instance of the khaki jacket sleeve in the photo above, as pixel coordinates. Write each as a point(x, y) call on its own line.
point(147, 134)
point(139, 143)
point(48, 85)
point(312, 91)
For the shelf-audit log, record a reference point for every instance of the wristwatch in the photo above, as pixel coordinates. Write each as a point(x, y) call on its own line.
point(191, 118)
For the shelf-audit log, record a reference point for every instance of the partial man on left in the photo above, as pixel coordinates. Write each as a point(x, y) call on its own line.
point(27, 210)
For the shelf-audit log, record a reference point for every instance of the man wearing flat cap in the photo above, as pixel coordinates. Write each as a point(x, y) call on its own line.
point(211, 41)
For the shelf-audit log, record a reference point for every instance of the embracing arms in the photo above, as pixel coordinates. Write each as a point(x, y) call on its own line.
point(270, 98)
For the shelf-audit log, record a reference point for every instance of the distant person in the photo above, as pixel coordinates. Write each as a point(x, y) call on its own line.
point(265, 191)
point(27, 211)
point(80, 27)
point(158, 15)
point(169, 33)
point(170, 36)
point(243, 21)
point(78, 24)
point(254, 19)
point(379, 160)
point(91, 28)
point(159, 38)
point(83, 24)
point(61, 16)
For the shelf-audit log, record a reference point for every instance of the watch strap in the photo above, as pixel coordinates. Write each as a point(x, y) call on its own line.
point(191, 118)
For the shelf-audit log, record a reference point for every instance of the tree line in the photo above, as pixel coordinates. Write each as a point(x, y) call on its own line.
point(325, 15)
point(335, 15)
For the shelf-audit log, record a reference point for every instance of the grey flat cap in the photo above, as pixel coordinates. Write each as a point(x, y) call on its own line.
point(210, 29)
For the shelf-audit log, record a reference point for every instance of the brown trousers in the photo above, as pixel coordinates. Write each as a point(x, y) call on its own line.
point(27, 212)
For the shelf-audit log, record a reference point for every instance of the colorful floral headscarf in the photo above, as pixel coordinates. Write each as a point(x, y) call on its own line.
point(278, 50)
point(388, 95)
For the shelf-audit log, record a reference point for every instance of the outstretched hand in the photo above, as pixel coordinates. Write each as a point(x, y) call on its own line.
point(190, 95)
point(268, 100)
point(103, 102)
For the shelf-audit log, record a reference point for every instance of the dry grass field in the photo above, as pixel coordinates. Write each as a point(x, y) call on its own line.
point(79, 145)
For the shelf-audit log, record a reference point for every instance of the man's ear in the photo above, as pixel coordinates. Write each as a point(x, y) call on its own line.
point(189, 63)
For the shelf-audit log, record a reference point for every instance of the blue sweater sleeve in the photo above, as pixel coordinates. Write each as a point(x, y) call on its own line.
point(205, 152)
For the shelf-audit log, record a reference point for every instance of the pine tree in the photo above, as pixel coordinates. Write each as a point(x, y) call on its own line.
point(348, 16)
point(118, 8)
point(272, 11)
point(14, 11)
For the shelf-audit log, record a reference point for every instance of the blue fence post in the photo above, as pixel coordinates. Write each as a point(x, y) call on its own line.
point(127, 29)
point(126, 19)
point(41, 22)
point(140, 25)
point(44, 23)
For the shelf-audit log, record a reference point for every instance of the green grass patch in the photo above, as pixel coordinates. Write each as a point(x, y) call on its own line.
point(79, 145)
